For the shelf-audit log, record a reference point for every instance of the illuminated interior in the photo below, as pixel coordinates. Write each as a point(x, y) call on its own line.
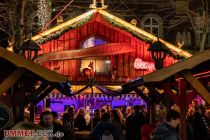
point(101, 65)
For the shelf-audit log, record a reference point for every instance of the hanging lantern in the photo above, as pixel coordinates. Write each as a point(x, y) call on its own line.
point(159, 53)
point(32, 48)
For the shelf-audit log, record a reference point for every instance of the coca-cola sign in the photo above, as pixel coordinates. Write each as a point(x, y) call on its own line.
point(140, 64)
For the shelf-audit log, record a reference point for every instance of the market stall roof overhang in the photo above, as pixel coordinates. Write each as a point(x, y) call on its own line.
point(197, 64)
point(192, 69)
point(36, 69)
point(13, 67)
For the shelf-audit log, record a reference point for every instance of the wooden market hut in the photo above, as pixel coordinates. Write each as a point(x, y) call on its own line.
point(118, 49)
point(23, 82)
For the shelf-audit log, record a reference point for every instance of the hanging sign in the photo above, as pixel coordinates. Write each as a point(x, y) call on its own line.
point(140, 64)
point(97, 51)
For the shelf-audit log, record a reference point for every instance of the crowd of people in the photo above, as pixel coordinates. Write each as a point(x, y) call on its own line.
point(127, 123)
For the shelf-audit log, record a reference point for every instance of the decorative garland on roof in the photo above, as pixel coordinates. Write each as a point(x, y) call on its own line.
point(137, 35)
point(127, 29)
point(55, 35)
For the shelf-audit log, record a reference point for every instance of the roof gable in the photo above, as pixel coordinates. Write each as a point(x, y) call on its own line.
point(115, 21)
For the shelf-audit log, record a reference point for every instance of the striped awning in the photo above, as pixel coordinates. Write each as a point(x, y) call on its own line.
point(76, 88)
point(98, 96)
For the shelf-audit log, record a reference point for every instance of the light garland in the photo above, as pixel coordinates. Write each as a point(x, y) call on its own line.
point(63, 25)
point(43, 12)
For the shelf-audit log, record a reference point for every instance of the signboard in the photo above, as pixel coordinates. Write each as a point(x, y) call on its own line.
point(143, 65)
point(97, 51)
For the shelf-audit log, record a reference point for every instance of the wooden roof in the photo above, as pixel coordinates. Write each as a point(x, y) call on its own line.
point(77, 19)
point(186, 64)
point(37, 69)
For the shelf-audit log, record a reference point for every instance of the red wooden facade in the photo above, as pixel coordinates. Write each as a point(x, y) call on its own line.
point(97, 26)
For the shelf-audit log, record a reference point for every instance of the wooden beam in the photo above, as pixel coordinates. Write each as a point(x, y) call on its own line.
point(43, 95)
point(183, 110)
point(11, 79)
point(168, 90)
point(36, 93)
point(196, 84)
point(154, 94)
point(141, 94)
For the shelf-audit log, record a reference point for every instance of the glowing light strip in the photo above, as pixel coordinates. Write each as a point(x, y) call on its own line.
point(76, 88)
point(140, 31)
point(63, 25)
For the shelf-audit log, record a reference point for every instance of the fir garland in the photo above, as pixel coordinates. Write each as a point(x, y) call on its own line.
point(137, 35)
point(134, 33)
point(79, 24)
point(55, 35)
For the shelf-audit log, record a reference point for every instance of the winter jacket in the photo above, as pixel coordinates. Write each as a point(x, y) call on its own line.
point(165, 132)
point(101, 127)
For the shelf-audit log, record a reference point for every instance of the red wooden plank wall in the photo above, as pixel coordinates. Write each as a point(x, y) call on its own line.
point(124, 62)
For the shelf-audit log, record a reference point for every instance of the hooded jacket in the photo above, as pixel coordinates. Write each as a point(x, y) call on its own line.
point(165, 132)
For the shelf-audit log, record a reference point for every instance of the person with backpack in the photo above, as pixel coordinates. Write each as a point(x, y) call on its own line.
point(104, 130)
point(167, 130)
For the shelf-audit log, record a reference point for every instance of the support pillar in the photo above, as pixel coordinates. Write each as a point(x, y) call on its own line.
point(32, 112)
point(21, 112)
point(183, 110)
point(44, 103)
point(151, 110)
point(48, 103)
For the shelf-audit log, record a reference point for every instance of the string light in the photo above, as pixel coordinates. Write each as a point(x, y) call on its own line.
point(43, 12)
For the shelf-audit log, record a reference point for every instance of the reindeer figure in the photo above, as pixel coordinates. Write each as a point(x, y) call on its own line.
point(89, 71)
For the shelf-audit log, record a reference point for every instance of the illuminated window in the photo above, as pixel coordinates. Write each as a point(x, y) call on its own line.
point(101, 65)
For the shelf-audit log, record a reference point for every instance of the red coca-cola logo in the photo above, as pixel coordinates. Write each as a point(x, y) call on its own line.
point(140, 64)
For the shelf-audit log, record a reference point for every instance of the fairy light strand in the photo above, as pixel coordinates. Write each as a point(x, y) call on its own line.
point(43, 12)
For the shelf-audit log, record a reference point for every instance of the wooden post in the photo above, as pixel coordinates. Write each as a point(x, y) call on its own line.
point(183, 110)
point(151, 111)
point(44, 103)
point(21, 112)
point(47, 103)
point(32, 112)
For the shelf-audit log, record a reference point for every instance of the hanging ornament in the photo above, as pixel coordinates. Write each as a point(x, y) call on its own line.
point(43, 12)
point(59, 20)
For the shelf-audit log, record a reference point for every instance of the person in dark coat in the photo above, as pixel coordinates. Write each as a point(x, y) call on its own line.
point(167, 131)
point(128, 124)
point(103, 126)
point(80, 122)
point(46, 121)
point(68, 122)
point(137, 122)
point(97, 117)
point(200, 128)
